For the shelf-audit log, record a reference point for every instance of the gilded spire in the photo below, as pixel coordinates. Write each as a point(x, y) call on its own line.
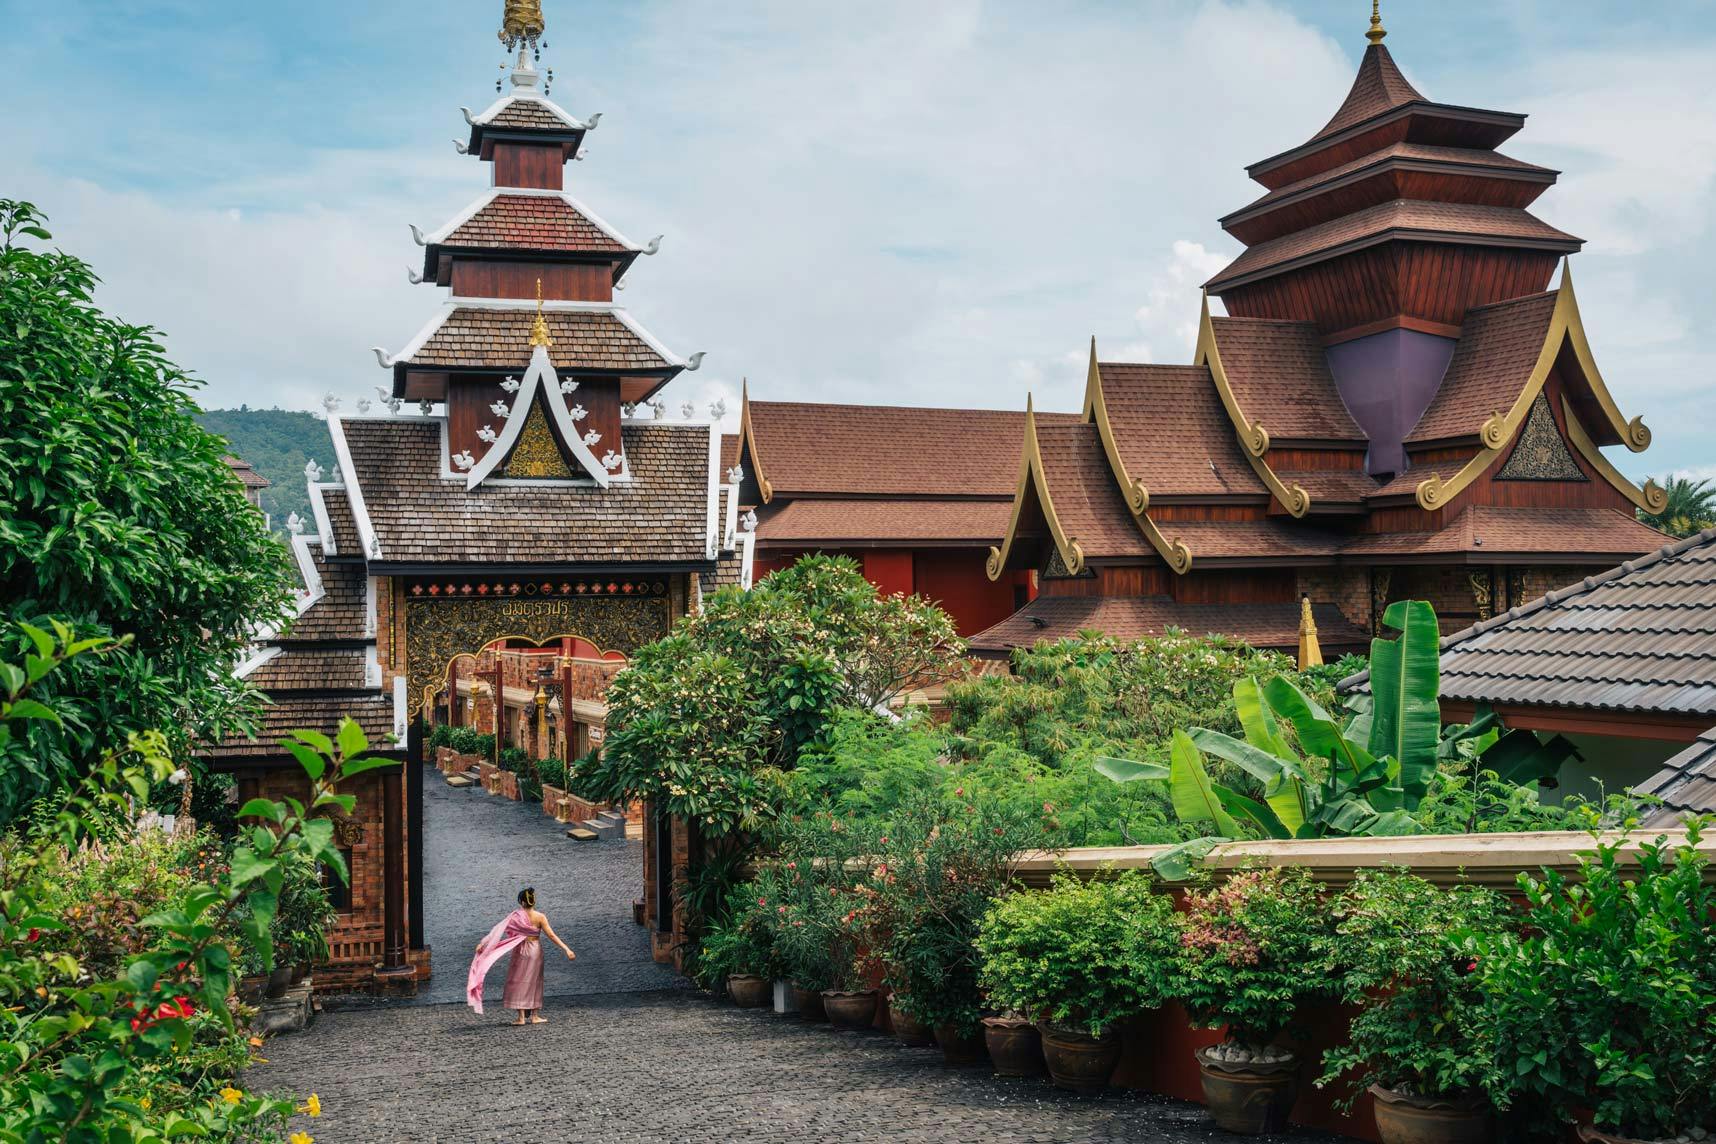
point(539, 328)
point(1375, 35)
point(522, 25)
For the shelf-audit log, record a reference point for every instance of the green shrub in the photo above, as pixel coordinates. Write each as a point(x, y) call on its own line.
point(552, 772)
point(1404, 955)
point(824, 924)
point(1252, 949)
point(742, 942)
point(470, 741)
point(441, 736)
point(1606, 997)
point(515, 759)
point(1083, 956)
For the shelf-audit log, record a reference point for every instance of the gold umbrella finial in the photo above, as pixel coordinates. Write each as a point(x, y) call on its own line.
point(539, 328)
point(1310, 651)
point(522, 24)
point(1377, 31)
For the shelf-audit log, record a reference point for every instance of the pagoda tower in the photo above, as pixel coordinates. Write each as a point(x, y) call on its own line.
point(1396, 406)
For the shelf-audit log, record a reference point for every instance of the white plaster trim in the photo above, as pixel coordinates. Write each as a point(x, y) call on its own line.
point(731, 527)
point(244, 670)
point(494, 193)
point(369, 611)
point(319, 510)
point(371, 667)
point(354, 491)
point(416, 343)
point(399, 721)
point(649, 339)
point(500, 104)
point(748, 546)
point(540, 375)
point(711, 533)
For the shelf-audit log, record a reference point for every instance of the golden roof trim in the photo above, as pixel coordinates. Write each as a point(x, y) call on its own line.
point(1651, 498)
point(1136, 495)
point(748, 435)
point(1499, 429)
point(1031, 463)
point(1253, 437)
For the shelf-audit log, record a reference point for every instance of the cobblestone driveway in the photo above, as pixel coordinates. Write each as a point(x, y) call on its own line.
point(672, 1066)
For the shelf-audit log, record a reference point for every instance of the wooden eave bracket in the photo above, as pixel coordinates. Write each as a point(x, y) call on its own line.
point(1031, 468)
point(1137, 497)
point(1499, 429)
point(1253, 437)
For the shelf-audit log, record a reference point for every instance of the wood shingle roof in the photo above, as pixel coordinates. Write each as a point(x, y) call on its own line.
point(1137, 617)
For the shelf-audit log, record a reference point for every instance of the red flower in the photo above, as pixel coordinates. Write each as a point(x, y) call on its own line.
point(35, 934)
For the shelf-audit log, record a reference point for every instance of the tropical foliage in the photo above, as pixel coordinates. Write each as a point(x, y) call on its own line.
point(277, 443)
point(1691, 507)
point(117, 514)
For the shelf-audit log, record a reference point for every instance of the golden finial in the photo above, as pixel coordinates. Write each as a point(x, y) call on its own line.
point(522, 24)
point(539, 328)
point(1377, 31)
point(1310, 652)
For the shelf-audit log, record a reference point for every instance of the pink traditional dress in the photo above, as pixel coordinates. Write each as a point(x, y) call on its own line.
point(518, 934)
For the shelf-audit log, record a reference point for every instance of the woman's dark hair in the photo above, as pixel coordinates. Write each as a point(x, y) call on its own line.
point(527, 897)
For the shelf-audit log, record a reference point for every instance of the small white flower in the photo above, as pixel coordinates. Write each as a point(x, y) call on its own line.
point(591, 438)
point(178, 777)
point(486, 433)
point(499, 409)
point(578, 413)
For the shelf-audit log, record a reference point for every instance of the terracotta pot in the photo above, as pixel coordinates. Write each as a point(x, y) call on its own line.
point(908, 1030)
point(808, 1002)
point(1248, 1097)
point(748, 991)
point(1079, 1062)
point(1014, 1045)
point(299, 972)
point(850, 1010)
point(1402, 1119)
point(279, 981)
point(959, 1049)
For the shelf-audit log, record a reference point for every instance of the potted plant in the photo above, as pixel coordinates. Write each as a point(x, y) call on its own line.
point(303, 918)
point(1251, 950)
point(1082, 958)
point(1422, 1041)
point(944, 860)
point(818, 868)
point(1603, 997)
point(739, 948)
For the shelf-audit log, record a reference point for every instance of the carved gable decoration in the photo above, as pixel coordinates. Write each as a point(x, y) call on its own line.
point(1541, 454)
point(1055, 568)
point(537, 455)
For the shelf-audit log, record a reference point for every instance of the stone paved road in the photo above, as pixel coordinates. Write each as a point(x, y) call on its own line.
point(670, 1067)
point(479, 850)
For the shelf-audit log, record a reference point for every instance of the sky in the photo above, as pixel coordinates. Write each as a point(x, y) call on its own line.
point(924, 202)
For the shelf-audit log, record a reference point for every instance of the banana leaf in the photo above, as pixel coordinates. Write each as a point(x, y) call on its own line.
point(1177, 863)
point(1518, 757)
point(1190, 789)
point(1406, 719)
point(1454, 735)
point(1319, 735)
point(1243, 806)
point(1129, 770)
point(1283, 777)
point(1261, 728)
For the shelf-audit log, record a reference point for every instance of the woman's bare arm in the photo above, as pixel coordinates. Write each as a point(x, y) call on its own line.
point(542, 920)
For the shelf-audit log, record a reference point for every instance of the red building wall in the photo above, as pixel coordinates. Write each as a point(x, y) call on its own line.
point(954, 578)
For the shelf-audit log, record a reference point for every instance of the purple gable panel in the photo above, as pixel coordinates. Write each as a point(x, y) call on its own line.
point(1387, 381)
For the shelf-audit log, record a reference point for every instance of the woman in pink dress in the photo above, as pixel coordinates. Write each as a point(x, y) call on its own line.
point(520, 932)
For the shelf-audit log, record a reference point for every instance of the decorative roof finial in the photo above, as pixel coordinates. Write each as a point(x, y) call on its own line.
point(1376, 33)
point(522, 24)
point(539, 328)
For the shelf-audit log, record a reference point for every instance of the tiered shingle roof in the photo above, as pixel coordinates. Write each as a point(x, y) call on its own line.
point(1136, 617)
point(532, 222)
point(494, 337)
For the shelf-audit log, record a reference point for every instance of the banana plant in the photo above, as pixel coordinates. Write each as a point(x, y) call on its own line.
point(1371, 770)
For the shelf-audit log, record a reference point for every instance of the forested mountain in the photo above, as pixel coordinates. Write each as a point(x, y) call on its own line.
point(277, 442)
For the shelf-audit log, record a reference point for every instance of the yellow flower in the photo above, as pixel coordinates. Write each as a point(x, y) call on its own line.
point(231, 1095)
point(300, 1138)
point(314, 1105)
point(145, 1103)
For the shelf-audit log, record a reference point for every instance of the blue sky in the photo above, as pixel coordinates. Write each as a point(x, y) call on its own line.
point(917, 201)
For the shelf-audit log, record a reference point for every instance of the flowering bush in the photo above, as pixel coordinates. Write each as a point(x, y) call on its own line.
point(1084, 956)
point(824, 915)
point(1251, 950)
point(1404, 952)
point(742, 942)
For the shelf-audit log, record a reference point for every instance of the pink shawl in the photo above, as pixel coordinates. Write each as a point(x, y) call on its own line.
point(511, 930)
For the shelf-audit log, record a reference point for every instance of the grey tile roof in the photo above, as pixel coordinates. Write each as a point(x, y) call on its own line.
point(659, 516)
point(1686, 784)
point(1637, 638)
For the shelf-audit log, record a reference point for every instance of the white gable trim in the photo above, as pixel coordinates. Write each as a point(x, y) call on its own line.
point(416, 343)
point(354, 491)
point(731, 527)
point(245, 669)
point(319, 510)
point(541, 376)
point(748, 549)
point(711, 536)
point(505, 101)
point(649, 339)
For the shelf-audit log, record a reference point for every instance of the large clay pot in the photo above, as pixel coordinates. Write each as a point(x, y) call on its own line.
point(1245, 1097)
point(908, 1030)
point(850, 1010)
point(279, 981)
point(748, 990)
point(960, 1049)
point(1079, 1062)
point(808, 1002)
point(1402, 1119)
point(1014, 1045)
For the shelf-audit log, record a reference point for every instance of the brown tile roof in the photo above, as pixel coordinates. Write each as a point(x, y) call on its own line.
point(1498, 347)
point(659, 516)
point(1418, 152)
point(532, 222)
point(341, 613)
point(246, 473)
point(1172, 432)
point(1378, 87)
point(347, 544)
point(1637, 638)
point(1273, 539)
point(1136, 617)
point(313, 669)
point(889, 450)
point(729, 451)
point(288, 712)
point(1280, 377)
point(1409, 218)
point(1686, 784)
point(1587, 533)
point(836, 521)
point(1406, 483)
point(726, 575)
point(1085, 495)
point(529, 115)
point(482, 337)
point(1331, 486)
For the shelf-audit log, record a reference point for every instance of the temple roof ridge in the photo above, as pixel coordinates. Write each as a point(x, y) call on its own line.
point(1378, 87)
